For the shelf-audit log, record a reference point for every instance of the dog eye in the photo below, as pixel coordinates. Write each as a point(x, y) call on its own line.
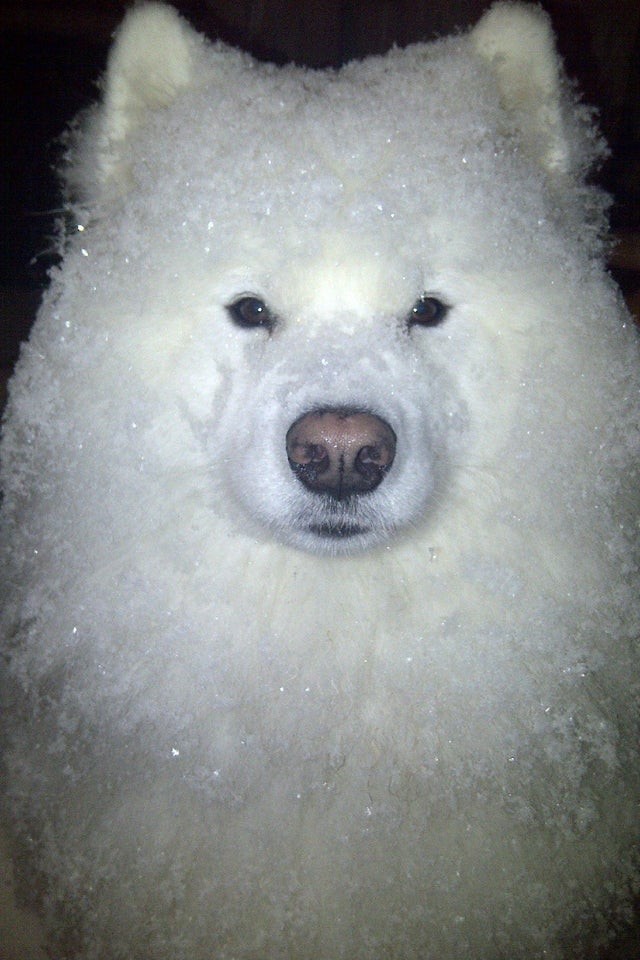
point(427, 312)
point(251, 311)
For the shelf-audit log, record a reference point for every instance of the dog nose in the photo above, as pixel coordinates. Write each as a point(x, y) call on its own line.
point(340, 452)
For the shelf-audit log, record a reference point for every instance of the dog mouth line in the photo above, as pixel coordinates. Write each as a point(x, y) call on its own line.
point(338, 530)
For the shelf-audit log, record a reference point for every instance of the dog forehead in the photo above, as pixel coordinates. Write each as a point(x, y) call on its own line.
point(368, 140)
point(342, 284)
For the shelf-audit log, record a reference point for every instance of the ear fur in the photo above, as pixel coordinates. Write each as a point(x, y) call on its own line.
point(153, 58)
point(517, 42)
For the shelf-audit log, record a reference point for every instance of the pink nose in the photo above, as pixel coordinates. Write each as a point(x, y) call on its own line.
point(340, 452)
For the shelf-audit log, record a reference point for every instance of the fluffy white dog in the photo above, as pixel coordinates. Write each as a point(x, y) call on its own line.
point(320, 521)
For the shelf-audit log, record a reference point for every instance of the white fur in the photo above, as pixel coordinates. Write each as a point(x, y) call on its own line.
point(518, 44)
point(227, 736)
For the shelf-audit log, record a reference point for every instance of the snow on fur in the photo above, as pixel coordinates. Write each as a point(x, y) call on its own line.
point(246, 719)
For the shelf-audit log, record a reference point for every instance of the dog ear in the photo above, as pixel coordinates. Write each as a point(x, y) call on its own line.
point(517, 42)
point(153, 58)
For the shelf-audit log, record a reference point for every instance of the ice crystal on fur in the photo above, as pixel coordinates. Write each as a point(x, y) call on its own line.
point(373, 699)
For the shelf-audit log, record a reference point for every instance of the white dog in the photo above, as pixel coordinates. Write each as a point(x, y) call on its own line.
point(320, 519)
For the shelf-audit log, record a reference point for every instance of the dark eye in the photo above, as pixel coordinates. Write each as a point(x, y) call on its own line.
point(427, 312)
point(251, 312)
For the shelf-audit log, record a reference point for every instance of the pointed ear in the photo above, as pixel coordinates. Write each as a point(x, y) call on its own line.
point(517, 42)
point(153, 58)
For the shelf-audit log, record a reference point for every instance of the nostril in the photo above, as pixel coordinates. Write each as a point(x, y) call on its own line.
point(340, 452)
point(308, 460)
point(373, 461)
point(379, 454)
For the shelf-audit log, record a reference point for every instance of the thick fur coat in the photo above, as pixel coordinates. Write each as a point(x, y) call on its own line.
point(320, 519)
